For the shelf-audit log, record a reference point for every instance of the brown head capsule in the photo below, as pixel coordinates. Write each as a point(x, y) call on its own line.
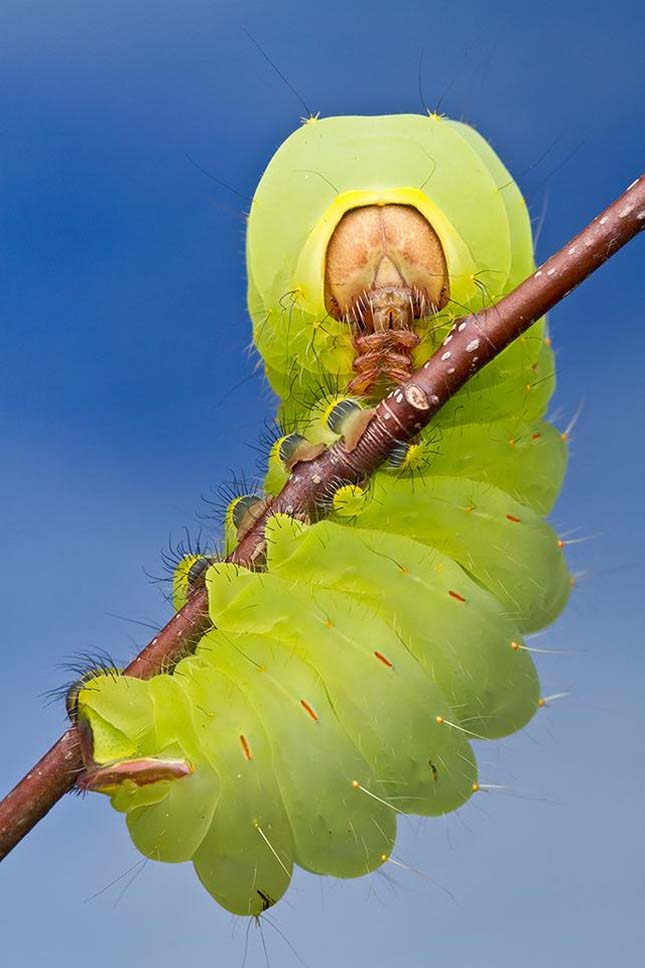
point(385, 269)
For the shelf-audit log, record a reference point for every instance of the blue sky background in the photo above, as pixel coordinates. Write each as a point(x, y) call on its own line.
point(123, 348)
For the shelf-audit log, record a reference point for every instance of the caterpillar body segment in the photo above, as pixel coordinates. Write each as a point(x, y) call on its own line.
point(343, 685)
point(491, 687)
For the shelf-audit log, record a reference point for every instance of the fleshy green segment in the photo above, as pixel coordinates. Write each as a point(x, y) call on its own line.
point(344, 684)
point(385, 704)
point(525, 460)
point(507, 548)
point(246, 857)
point(470, 648)
point(336, 830)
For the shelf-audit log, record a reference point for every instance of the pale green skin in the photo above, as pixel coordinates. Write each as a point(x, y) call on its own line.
point(356, 669)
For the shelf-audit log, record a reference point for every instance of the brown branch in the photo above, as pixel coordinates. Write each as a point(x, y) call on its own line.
point(475, 341)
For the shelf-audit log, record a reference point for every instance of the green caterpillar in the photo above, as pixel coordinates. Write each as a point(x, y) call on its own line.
point(342, 684)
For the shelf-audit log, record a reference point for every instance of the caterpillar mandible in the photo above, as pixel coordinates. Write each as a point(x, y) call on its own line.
point(342, 684)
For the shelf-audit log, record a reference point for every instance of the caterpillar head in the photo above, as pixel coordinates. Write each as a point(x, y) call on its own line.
point(367, 236)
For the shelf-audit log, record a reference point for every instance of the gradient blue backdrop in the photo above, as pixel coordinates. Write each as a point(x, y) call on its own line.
point(126, 392)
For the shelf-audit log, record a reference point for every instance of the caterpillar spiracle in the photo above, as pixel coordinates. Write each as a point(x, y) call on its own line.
point(342, 684)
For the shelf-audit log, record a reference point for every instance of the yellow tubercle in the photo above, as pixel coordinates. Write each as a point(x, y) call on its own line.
point(350, 500)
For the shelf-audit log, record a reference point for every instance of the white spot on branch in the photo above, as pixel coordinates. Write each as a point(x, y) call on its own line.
point(416, 397)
